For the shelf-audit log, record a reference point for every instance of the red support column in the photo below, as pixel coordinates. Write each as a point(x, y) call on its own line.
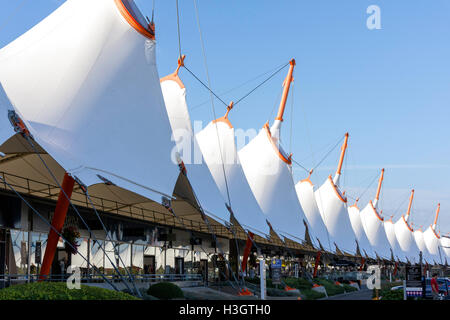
point(248, 247)
point(363, 262)
point(58, 223)
point(319, 253)
point(395, 268)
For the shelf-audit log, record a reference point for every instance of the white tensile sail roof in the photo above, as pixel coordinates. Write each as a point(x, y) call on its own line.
point(432, 238)
point(373, 225)
point(84, 82)
point(203, 184)
point(405, 236)
point(445, 245)
point(389, 228)
point(333, 208)
point(355, 219)
point(218, 146)
point(267, 169)
point(420, 242)
point(317, 229)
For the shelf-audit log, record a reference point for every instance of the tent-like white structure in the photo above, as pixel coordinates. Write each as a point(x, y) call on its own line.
point(355, 219)
point(445, 245)
point(373, 225)
point(206, 190)
point(405, 236)
point(84, 83)
point(218, 146)
point(268, 172)
point(389, 228)
point(420, 242)
point(333, 208)
point(432, 239)
point(318, 230)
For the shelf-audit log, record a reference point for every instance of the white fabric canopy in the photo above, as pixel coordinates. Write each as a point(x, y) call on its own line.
point(389, 228)
point(333, 208)
point(373, 225)
point(271, 181)
point(219, 151)
point(445, 243)
point(355, 219)
point(317, 230)
point(202, 182)
point(432, 242)
point(85, 83)
point(405, 238)
point(420, 242)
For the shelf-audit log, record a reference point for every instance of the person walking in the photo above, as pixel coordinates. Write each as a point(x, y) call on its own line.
point(434, 287)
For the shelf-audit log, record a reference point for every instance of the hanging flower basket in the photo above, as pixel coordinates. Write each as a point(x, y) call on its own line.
point(71, 235)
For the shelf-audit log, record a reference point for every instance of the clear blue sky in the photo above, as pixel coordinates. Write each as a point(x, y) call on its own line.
point(389, 88)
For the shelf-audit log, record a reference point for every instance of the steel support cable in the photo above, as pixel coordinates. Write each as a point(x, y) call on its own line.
point(56, 231)
point(212, 100)
point(261, 84)
point(178, 29)
point(82, 219)
point(239, 86)
point(323, 158)
point(86, 192)
point(211, 230)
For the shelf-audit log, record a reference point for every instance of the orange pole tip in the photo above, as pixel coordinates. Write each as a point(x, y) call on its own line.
point(380, 181)
point(437, 215)
point(410, 202)
point(287, 85)
point(341, 159)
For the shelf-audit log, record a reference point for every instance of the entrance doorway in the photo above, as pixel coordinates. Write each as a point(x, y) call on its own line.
point(179, 265)
point(149, 264)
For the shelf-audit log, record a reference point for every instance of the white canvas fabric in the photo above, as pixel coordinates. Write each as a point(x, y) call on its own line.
point(6, 129)
point(85, 83)
point(355, 219)
point(317, 230)
point(420, 242)
point(445, 244)
point(333, 208)
point(405, 238)
point(272, 184)
point(218, 147)
point(389, 228)
point(200, 177)
point(373, 225)
point(432, 243)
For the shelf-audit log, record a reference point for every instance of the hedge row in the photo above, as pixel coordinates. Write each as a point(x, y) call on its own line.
point(59, 291)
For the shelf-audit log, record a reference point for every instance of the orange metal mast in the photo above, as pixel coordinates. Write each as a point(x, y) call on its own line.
point(287, 85)
point(409, 205)
point(437, 215)
point(341, 160)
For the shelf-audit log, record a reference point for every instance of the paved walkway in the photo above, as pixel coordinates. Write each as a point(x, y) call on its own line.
point(364, 294)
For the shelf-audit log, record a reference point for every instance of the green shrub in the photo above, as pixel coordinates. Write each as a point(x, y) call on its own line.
point(165, 291)
point(298, 283)
point(59, 291)
point(392, 295)
point(349, 288)
point(331, 287)
point(310, 294)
